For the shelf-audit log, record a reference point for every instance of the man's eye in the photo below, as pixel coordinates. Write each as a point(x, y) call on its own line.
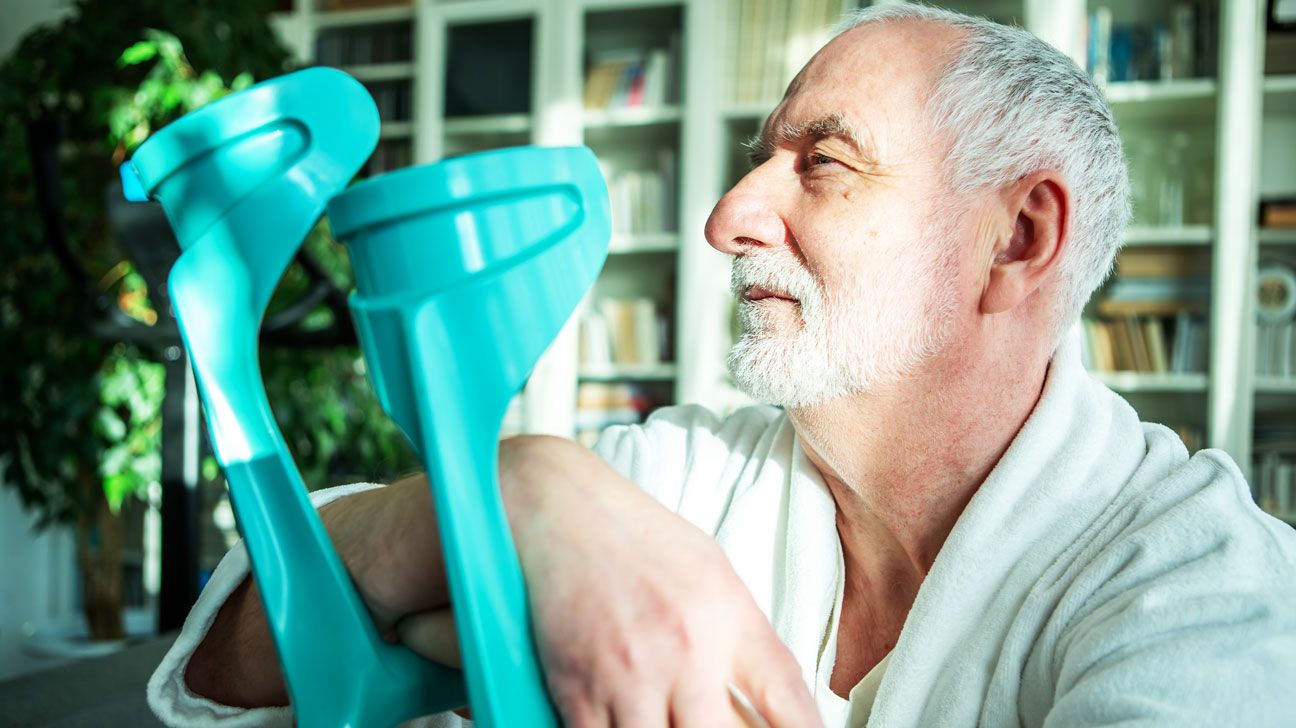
point(815, 159)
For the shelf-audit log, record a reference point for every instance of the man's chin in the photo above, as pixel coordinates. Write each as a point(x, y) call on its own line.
point(766, 370)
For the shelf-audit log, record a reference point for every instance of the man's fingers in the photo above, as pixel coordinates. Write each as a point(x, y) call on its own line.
point(584, 714)
point(703, 704)
point(771, 679)
point(432, 634)
point(639, 709)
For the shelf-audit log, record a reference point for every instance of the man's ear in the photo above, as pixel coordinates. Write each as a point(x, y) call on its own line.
point(1040, 208)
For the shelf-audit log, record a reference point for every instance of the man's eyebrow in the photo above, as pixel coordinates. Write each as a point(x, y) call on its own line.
point(761, 147)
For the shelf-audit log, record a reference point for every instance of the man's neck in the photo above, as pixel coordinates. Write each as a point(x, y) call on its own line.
point(903, 461)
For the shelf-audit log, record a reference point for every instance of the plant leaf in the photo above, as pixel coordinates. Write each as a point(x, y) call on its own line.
point(142, 51)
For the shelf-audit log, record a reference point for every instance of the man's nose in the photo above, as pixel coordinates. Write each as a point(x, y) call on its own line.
point(747, 217)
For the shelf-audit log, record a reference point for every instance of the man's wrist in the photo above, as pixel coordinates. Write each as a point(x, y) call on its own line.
point(236, 663)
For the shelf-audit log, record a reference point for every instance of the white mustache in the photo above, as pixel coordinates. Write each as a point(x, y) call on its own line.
point(777, 273)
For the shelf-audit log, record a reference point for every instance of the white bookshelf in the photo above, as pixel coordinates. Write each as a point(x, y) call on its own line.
point(1275, 385)
point(1278, 237)
point(1139, 383)
point(499, 124)
point(396, 130)
point(628, 373)
point(621, 118)
point(1145, 235)
point(371, 72)
point(644, 243)
point(360, 16)
point(1242, 117)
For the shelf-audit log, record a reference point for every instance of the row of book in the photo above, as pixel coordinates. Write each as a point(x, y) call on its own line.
point(1147, 344)
point(600, 405)
point(645, 200)
point(624, 331)
point(634, 78)
point(770, 40)
point(394, 99)
point(1273, 482)
point(1180, 45)
point(389, 155)
point(1275, 350)
point(365, 45)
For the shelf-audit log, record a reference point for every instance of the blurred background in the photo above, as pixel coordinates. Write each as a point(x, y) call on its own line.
point(112, 510)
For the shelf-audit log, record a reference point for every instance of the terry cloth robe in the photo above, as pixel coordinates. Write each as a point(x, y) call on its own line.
point(1098, 576)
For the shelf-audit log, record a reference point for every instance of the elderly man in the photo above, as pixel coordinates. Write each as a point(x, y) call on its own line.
point(949, 523)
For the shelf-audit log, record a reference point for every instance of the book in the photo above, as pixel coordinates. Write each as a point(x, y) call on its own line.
point(1278, 213)
point(622, 331)
point(1159, 262)
point(1155, 341)
point(1099, 49)
point(1183, 33)
point(1138, 344)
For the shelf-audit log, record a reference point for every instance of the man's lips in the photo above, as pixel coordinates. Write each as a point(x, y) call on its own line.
point(756, 293)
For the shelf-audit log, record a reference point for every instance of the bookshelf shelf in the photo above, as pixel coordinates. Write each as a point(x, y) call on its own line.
point(1275, 385)
point(364, 16)
point(1158, 235)
point(601, 5)
point(644, 243)
point(1162, 98)
point(494, 124)
point(1280, 93)
point(628, 372)
point(633, 116)
point(396, 130)
point(372, 72)
point(1274, 236)
point(1188, 89)
point(1138, 382)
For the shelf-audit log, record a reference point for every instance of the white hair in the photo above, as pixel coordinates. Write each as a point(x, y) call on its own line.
point(1012, 105)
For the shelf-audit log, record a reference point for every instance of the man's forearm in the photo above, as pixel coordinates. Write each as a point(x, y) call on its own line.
point(388, 540)
point(237, 664)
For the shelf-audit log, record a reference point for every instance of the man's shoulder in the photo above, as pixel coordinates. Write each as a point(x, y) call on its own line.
point(1190, 535)
point(690, 426)
point(699, 417)
point(690, 459)
point(1205, 500)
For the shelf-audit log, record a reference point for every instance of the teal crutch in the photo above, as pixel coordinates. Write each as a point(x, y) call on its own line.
point(465, 272)
point(243, 181)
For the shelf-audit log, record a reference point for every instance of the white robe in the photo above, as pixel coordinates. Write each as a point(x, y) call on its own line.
point(1098, 576)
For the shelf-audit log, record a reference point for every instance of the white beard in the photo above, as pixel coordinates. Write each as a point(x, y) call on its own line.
point(889, 321)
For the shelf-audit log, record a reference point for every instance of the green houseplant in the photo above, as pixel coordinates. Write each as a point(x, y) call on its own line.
point(80, 431)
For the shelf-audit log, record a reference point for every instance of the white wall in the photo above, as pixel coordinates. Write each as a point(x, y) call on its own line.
point(17, 17)
point(37, 581)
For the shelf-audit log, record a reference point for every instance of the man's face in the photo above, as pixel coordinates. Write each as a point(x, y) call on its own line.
point(843, 234)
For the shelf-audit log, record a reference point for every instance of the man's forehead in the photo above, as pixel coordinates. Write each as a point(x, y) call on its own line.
point(884, 65)
point(861, 84)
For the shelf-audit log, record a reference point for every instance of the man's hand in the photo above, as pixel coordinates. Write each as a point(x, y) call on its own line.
point(640, 620)
point(639, 617)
